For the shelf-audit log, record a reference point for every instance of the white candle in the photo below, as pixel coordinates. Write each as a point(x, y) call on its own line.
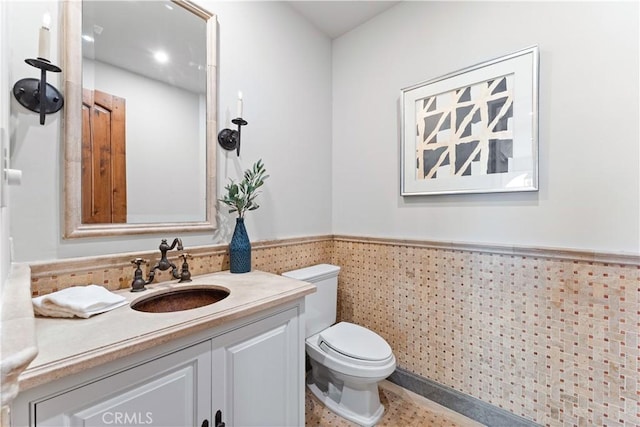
point(239, 104)
point(44, 40)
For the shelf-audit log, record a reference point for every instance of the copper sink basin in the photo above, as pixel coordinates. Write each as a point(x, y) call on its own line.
point(180, 300)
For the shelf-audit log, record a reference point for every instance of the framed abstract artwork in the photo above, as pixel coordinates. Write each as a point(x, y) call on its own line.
point(473, 130)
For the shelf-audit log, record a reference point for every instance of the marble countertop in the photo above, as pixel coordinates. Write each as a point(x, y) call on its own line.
point(17, 330)
point(68, 346)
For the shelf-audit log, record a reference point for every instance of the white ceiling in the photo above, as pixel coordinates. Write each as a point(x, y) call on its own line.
point(126, 33)
point(335, 18)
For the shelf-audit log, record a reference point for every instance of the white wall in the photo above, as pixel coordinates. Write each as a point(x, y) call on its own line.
point(588, 198)
point(4, 133)
point(283, 67)
point(588, 121)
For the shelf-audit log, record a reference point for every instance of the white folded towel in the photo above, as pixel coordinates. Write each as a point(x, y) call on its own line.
point(80, 301)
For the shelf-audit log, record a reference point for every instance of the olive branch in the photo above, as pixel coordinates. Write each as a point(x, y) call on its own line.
point(240, 197)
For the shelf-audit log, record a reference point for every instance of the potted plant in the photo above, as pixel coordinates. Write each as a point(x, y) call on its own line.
point(241, 198)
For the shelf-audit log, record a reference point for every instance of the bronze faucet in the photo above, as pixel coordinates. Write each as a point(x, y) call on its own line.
point(164, 263)
point(139, 283)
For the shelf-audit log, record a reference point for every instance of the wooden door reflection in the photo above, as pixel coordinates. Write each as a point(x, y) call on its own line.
point(104, 173)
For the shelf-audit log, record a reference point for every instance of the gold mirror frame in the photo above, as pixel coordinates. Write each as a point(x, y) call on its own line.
point(72, 133)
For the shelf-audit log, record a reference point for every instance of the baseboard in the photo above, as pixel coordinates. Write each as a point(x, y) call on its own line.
point(466, 405)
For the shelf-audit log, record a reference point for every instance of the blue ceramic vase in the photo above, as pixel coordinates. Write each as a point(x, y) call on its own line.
point(240, 249)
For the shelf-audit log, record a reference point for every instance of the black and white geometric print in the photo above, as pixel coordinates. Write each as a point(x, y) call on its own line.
point(466, 131)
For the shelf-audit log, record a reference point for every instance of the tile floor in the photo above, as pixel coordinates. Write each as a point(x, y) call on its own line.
point(402, 409)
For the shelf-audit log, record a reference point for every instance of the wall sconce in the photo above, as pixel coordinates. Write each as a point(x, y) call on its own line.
point(229, 139)
point(38, 95)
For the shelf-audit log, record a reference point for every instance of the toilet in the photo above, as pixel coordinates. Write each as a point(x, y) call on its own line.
point(347, 360)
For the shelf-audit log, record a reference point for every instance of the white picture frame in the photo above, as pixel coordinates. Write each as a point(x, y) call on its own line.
point(474, 130)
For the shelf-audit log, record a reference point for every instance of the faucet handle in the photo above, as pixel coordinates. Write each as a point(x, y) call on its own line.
point(138, 261)
point(185, 274)
point(138, 282)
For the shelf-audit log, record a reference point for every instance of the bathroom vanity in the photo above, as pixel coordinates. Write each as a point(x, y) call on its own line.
point(239, 361)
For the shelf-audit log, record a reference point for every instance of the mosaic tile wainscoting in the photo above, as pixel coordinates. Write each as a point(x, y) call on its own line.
point(549, 335)
point(116, 271)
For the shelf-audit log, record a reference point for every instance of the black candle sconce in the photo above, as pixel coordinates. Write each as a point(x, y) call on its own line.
point(29, 91)
point(229, 139)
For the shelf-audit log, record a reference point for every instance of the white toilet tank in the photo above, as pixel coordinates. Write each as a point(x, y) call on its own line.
point(320, 307)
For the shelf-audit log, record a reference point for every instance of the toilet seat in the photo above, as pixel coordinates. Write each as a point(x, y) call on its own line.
point(354, 344)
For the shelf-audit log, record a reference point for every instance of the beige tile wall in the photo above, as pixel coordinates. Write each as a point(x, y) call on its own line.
point(116, 271)
point(550, 335)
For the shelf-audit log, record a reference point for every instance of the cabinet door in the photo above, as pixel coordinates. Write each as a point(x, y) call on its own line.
point(257, 374)
point(173, 390)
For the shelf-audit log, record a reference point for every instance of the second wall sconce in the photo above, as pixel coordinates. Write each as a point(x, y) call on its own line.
point(229, 139)
point(36, 94)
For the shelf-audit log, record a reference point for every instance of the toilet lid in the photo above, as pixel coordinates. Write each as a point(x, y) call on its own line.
point(355, 341)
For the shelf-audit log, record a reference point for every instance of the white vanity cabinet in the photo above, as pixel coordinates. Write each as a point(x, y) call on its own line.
point(252, 371)
point(169, 391)
point(259, 373)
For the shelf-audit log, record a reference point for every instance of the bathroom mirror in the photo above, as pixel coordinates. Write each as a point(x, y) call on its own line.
point(139, 117)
